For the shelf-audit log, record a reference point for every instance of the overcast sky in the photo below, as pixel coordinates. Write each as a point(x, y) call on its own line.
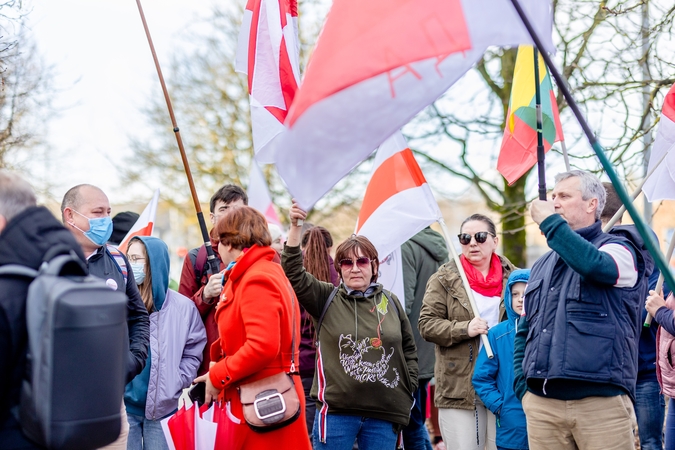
point(104, 73)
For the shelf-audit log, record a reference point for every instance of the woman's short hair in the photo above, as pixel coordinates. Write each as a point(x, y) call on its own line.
point(350, 247)
point(243, 227)
point(480, 218)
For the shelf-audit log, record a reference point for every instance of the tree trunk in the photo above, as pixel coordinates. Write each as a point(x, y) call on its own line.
point(513, 223)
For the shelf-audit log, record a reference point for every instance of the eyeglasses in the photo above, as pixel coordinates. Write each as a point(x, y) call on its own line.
point(481, 236)
point(360, 262)
point(133, 259)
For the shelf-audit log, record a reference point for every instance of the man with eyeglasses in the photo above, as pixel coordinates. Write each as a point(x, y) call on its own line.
point(85, 211)
point(575, 355)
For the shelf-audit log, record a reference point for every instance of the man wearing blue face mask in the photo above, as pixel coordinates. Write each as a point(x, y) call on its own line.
point(86, 213)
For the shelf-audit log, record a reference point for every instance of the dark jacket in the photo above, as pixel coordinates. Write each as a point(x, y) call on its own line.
point(366, 359)
point(580, 336)
point(25, 240)
point(493, 378)
point(103, 265)
point(421, 257)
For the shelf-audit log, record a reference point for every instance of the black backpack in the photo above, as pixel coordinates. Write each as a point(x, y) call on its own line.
point(74, 380)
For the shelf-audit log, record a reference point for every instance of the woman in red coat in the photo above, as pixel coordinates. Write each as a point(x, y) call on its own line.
point(254, 323)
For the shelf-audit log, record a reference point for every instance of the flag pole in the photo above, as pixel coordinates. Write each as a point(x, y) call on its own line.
point(659, 283)
point(214, 265)
point(642, 228)
point(565, 155)
point(465, 281)
point(541, 155)
point(634, 195)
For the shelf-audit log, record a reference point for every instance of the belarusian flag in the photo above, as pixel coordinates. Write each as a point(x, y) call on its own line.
point(661, 184)
point(145, 223)
point(268, 52)
point(519, 146)
point(376, 64)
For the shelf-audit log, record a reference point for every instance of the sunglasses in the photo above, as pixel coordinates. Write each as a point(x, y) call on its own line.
point(349, 263)
point(481, 236)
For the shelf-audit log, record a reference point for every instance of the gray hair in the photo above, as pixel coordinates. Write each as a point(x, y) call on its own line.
point(591, 187)
point(16, 195)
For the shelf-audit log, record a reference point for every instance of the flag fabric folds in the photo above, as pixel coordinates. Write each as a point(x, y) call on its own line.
point(398, 202)
point(268, 52)
point(145, 223)
point(377, 64)
point(259, 195)
point(661, 184)
point(518, 152)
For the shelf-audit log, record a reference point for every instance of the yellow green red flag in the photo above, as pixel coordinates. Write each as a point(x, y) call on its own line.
point(518, 152)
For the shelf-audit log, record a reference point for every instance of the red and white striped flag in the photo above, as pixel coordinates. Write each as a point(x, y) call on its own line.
point(259, 195)
point(661, 184)
point(376, 64)
point(398, 202)
point(268, 52)
point(145, 223)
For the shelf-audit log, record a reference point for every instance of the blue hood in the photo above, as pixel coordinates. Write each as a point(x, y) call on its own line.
point(517, 276)
point(158, 258)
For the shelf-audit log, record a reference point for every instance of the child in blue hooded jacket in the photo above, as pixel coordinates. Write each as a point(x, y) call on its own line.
point(493, 378)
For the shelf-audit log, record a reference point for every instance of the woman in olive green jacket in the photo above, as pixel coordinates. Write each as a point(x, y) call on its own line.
point(447, 320)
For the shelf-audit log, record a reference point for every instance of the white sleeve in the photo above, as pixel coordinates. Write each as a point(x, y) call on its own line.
point(625, 264)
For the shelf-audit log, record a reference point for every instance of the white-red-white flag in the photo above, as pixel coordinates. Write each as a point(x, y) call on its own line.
point(145, 223)
point(390, 275)
point(398, 202)
point(376, 64)
point(268, 52)
point(259, 195)
point(661, 184)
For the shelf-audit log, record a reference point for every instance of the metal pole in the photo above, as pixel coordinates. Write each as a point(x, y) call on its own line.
point(465, 282)
point(565, 156)
point(642, 228)
point(541, 154)
point(634, 195)
point(214, 265)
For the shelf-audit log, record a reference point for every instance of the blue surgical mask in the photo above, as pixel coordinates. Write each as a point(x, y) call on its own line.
point(100, 229)
point(139, 272)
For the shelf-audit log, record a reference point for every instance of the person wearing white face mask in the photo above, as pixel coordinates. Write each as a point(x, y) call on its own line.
point(177, 341)
point(85, 211)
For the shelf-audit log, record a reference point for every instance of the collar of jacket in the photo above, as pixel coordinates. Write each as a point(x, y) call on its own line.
point(253, 254)
point(591, 232)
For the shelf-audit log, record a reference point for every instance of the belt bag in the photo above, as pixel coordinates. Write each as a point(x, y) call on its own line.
point(270, 403)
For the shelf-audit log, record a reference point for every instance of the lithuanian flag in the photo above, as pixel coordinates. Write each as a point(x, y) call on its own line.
point(519, 146)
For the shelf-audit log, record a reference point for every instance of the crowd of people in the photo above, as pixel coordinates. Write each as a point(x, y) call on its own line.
point(571, 366)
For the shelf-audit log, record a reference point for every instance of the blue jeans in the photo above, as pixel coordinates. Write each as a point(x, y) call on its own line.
point(416, 435)
point(343, 430)
point(145, 434)
point(670, 426)
point(649, 410)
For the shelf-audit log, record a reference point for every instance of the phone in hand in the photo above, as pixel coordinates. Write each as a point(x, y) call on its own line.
point(197, 393)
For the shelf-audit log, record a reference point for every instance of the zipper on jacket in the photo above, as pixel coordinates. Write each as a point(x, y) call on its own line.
point(154, 411)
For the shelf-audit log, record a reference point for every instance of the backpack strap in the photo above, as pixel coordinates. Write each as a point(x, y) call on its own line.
point(390, 300)
point(323, 312)
point(121, 263)
point(200, 263)
point(18, 270)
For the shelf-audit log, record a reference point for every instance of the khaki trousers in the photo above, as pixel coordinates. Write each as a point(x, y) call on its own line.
point(121, 442)
point(465, 429)
point(591, 423)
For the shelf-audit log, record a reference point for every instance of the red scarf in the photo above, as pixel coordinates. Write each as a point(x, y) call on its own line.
point(490, 286)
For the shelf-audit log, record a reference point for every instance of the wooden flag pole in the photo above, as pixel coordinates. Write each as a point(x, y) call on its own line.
point(213, 263)
point(541, 154)
point(465, 282)
point(642, 228)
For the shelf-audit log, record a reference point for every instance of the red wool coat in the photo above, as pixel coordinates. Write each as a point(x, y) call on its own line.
point(254, 322)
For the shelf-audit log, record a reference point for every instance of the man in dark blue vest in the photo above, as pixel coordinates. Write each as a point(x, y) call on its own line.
point(576, 350)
